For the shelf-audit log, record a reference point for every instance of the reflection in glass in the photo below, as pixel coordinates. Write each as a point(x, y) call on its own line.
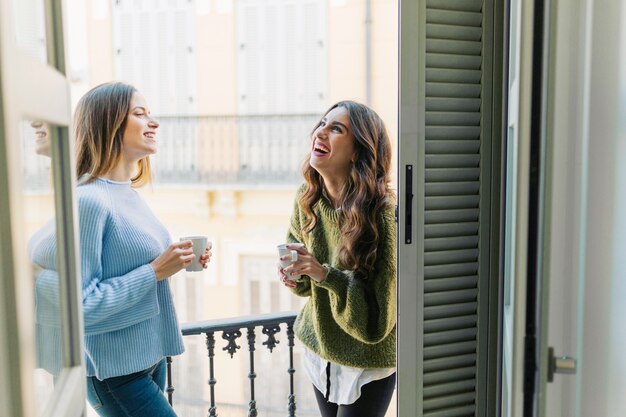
point(38, 198)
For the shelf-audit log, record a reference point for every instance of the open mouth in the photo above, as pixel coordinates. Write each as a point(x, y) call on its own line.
point(320, 149)
point(150, 135)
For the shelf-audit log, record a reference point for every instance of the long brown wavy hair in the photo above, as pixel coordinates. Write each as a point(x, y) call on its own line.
point(365, 194)
point(99, 123)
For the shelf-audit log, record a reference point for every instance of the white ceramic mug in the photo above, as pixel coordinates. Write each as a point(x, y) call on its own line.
point(199, 246)
point(283, 250)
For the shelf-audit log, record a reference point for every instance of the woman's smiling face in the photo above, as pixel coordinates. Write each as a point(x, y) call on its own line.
point(332, 144)
point(139, 139)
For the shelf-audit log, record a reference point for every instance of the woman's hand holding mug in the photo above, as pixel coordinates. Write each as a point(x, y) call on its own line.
point(305, 264)
point(177, 256)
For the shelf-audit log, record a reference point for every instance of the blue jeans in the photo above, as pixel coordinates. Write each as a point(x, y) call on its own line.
point(135, 395)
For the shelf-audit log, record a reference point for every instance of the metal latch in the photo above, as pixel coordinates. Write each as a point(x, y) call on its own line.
point(561, 365)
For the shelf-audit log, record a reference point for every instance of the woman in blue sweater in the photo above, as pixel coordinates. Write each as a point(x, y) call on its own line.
point(126, 258)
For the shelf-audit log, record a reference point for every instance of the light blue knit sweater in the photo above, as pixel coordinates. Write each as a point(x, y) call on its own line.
point(129, 317)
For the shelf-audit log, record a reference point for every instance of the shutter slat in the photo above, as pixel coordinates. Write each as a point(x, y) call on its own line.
point(452, 90)
point(451, 203)
point(450, 257)
point(467, 33)
point(450, 61)
point(450, 297)
point(450, 216)
point(451, 229)
point(468, 385)
point(466, 398)
point(443, 118)
point(460, 5)
point(452, 188)
point(452, 132)
point(452, 161)
point(447, 147)
point(451, 336)
point(450, 323)
point(450, 284)
point(455, 242)
point(453, 17)
point(449, 375)
point(450, 271)
point(447, 46)
point(451, 174)
point(454, 310)
point(453, 75)
point(465, 411)
point(441, 364)
point(452, 349)
point(451, 103)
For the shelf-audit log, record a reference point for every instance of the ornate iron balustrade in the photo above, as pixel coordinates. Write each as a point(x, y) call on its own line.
point(231, 330)
point(210, 150)
point(232, 150)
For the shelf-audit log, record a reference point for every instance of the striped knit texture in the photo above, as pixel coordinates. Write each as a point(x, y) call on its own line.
point(129, 317)
point(347, 320)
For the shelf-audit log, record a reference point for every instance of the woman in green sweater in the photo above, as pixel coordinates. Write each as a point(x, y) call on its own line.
point(344, 215)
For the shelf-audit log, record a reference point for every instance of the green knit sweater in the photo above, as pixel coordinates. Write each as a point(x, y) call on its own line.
point(347, 320)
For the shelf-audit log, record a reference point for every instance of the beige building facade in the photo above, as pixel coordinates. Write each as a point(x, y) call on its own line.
point(237, 86)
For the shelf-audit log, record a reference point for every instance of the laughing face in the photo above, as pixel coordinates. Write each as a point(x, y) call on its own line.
point(139, 139)
point(42, 134)
point(332, 145)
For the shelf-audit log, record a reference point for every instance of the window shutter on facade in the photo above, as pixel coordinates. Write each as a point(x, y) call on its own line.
point(154, 50)
point(281, 63)
point(454, 198)
point(282, 56)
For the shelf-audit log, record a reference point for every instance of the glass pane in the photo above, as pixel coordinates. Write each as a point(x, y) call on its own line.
point(39, 226)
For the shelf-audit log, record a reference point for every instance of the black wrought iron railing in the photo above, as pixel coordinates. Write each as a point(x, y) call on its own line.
point(231, 330)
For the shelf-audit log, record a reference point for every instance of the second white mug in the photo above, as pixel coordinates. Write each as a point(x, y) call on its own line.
point(283, 250)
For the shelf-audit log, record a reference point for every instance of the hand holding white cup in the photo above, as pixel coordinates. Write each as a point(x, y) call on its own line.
point(291, 256)
point(200, 246)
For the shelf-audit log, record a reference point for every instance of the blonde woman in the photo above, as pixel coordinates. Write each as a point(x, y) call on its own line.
point(127, 257)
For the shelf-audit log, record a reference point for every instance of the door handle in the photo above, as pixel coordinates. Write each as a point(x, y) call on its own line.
point(408, 204)
point(560, 365)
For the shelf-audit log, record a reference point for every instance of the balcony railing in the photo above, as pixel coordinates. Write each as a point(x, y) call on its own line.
point(215, 151)
point(231, 330)
point(232, 150)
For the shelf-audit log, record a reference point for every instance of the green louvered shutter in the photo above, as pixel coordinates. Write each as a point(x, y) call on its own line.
point(454, 64)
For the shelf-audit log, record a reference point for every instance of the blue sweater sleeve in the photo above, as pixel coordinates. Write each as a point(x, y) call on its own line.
point(109, 304)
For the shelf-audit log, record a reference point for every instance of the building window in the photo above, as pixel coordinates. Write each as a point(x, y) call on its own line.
point(282, 55)
point(154, 50)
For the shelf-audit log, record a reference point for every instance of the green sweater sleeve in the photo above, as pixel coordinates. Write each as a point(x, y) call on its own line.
point(303, 289)
point(366, 308)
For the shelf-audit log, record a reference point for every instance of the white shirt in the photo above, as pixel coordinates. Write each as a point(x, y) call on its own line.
point(345, 382)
